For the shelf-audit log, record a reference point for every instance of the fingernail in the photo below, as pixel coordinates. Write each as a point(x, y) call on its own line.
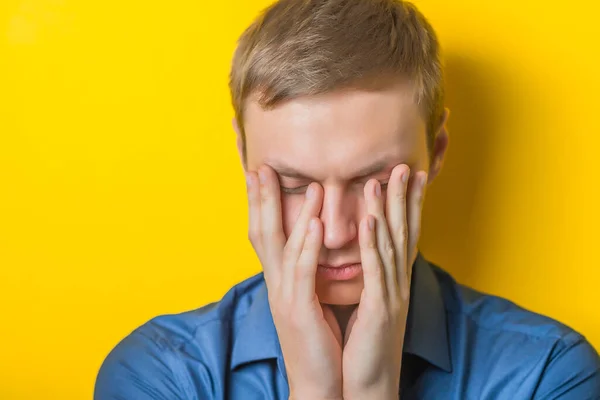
point(424, 180)
point(378, 189)
point(248, 180)
point(405, 176)
point(262, 176)
point(313, 225)
point(371, 221)
point(310, 191)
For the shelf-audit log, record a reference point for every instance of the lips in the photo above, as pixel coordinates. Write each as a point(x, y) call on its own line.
point(342, 272)
point(337, 266)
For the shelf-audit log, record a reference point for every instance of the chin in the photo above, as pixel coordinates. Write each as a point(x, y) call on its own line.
point(341, 293)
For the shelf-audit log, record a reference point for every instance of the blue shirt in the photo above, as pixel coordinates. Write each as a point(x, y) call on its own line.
point(460, 344)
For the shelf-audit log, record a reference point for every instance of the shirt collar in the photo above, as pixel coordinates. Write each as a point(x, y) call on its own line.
point(427, 332)
point(256, 338)
point(426, 336)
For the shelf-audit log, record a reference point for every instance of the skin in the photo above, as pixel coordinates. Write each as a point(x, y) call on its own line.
point(329, 329)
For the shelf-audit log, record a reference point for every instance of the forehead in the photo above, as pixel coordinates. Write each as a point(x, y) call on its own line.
point(328, 133)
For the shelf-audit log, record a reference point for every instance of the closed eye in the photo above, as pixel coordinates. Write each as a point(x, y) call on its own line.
point(302, 189)
point(296, 190)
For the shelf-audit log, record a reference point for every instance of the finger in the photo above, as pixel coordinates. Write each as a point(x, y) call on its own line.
point(416, 197)
point(305, 270)
point(271, 227)
point(374, 199)
point(254, 227)
point(373, 270)
point(397, 220)
point(295, 243)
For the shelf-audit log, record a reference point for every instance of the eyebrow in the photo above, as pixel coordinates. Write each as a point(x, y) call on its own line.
point(372, 169)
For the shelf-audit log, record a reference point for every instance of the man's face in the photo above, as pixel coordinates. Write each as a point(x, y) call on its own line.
point(339, 140)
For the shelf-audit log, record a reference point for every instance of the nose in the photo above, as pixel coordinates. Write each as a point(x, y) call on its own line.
point(338, 216)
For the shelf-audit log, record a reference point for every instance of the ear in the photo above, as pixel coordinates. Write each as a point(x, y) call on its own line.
point(239, 142)
point(440, 145)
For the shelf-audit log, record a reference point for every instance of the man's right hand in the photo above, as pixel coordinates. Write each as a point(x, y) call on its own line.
point(310, 337)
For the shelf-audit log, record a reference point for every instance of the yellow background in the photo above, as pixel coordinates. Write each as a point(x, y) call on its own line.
point(121, 195)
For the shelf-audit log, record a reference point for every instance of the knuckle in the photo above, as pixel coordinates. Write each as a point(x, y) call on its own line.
point(369, 243)
point(402, 232)
point(265, 197)
point(289, 250)
point(404, 297)
point(395, 305)
point(419, 199)
point(265, 194)
point(252, 195)
point(401, 193)
point(253, 236)
point(388, 248)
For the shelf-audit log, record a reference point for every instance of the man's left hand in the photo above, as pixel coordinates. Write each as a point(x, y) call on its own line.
point(374, 338)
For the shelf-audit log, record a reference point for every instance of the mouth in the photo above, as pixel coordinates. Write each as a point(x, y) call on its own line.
point(340, 273)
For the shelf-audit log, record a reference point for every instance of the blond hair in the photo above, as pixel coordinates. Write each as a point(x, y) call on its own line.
point(306, 47)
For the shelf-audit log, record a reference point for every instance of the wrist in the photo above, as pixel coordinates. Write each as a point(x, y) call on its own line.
point(293, 396)
point(384, 392)
point(387, 395)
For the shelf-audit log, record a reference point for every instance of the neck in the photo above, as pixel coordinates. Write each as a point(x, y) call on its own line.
point(342, 315)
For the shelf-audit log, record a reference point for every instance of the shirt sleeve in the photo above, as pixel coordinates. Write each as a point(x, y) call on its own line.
point(573, 373)
point(140, 367)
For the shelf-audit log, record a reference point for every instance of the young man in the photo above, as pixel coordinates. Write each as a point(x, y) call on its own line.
point(341, 127)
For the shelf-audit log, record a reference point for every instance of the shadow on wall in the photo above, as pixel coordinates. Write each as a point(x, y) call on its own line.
point(475, 95)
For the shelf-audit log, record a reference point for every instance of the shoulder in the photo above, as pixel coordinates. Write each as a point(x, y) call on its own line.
point(500, 335)
point(154, 360)
point(497, 314)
